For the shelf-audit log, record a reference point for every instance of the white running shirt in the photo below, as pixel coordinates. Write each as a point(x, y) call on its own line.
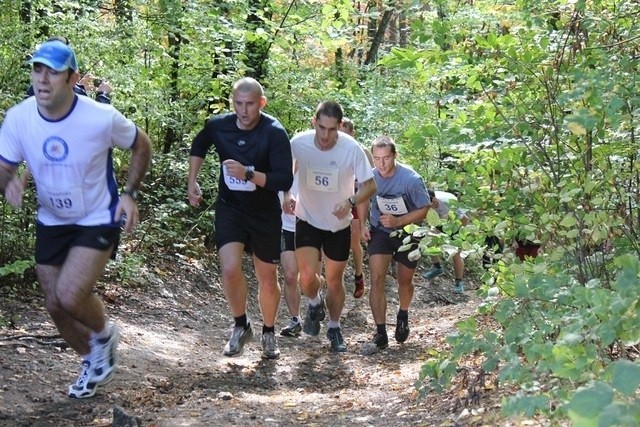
point(70, 159)
point(289, 220)
point(443, 208)
point(326, 178)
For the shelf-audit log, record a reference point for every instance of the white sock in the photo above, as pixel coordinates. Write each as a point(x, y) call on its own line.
point(105, 333)
point(334, 324)
point(315, 301)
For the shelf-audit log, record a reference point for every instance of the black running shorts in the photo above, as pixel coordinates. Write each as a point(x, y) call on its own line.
point(288, 241)
point(382, 243)
point(259, 236)
point(53, 242)
point(335, 246)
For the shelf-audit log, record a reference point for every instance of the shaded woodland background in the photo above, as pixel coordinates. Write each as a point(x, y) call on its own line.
point(528, 109)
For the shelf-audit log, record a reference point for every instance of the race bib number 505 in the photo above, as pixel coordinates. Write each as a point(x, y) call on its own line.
point(237, 184)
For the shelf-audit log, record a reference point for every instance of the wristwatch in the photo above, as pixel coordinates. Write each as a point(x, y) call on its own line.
point(131, 193)
point(352, 200)
point(249, 173)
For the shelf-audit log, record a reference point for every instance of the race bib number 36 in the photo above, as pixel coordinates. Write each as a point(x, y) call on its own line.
point(237, 184)
point(322, 179)
point(393, 206)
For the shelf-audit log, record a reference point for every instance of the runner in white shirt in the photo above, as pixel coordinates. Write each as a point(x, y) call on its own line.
point(291, 291)
point(289, 266)
point(327, 163)
point(347, 127)
point(440, 202)
point(66, 141)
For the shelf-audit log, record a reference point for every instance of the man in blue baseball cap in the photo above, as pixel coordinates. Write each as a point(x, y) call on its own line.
point(55, 71)
point(67, 141)
point(102, 87)
point(81, 87)
point(55, 55)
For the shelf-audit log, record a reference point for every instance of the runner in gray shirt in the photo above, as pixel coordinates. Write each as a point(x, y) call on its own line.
point(401, 199)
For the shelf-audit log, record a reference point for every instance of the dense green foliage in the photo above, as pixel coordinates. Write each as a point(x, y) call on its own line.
point(541, 103)
point(527, 109)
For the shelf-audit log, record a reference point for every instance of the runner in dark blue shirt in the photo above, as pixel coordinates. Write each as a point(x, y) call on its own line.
point(255, 163)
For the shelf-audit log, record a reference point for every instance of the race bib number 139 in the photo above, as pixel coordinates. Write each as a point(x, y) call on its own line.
point(63, 203)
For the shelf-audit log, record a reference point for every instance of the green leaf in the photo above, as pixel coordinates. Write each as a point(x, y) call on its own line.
point(626, 376)
point(587, 403)
point(525, 404)
point(619, 414)
point(577, 128)
point(572, 234)
point(491, 364)
point(469, 325)
point(568, 221)
point(433, 219)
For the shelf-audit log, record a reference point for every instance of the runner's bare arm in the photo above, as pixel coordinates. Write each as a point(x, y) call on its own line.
point(194, 194)
point(7, 172)
point(140, 160)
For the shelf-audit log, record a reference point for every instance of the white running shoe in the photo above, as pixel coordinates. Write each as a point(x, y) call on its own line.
point(104, 355)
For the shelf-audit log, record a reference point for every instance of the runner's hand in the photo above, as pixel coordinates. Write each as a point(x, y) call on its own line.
point(341, 210)
point(289, 205)
point(194, 194)
point(14, 192)
point(235, 169)
point(127, 209)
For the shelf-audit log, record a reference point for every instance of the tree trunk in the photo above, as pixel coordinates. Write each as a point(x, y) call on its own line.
point(123, 11)
point(392, 32)
point(403, 29)
point(372, 25)
point(257, 50)
point(25, 12)
point(372, 55)
point(220, 69)
point(340, 75)
point(175, 42)
point(173, 10)
point(221, 61)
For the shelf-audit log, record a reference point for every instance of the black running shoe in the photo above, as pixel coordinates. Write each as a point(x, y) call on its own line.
point(381, 341)
point(240, 335)
point(293, 329)
point(337, 342)
point(378, 343)
point(315, 314)
point(402, 329)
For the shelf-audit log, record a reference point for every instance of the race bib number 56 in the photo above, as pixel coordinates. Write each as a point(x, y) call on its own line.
point(322, 179)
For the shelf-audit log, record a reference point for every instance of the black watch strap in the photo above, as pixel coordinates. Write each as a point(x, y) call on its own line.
point(131, 193)
point(249, 173)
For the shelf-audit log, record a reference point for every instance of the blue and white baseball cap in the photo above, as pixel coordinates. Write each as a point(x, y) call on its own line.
point(56, 55)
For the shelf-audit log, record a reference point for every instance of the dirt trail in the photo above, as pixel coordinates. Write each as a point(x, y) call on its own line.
point(172, 372)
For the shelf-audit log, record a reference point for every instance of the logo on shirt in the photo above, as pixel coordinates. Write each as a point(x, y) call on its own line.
point(241, 143)
point(55, 149)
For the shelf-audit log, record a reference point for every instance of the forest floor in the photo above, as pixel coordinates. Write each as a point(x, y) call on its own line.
point(174, 322)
